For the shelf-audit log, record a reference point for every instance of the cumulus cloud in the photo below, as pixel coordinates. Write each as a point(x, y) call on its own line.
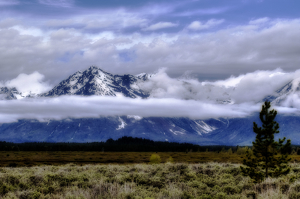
point(8, 22)
point(32, 83)
point(160, 25)
point(198, 25)
point(32, 31)
point(80, 107)
point(218, 55)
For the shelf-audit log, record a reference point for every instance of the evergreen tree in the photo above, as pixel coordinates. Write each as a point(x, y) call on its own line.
point(269, 158)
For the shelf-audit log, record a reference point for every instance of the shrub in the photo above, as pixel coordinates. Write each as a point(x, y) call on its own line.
point(178, 180)
point(155, 159)
point(221, 195)
point(170, 159)
point(231, 190)
point(4, 189)
point(187, 195)
point(294, 195)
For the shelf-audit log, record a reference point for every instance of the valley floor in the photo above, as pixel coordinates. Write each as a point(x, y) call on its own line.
point(165, 180)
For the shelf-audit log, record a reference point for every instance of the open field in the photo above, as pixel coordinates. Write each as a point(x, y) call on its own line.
point(25, 158)
point(165, 180)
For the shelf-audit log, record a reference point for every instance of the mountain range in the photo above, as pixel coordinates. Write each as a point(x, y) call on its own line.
point(94, 81)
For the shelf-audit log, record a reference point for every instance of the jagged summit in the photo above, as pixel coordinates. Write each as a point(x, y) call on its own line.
point(95, 81)
point(8, 93)
point(281, 95)
point(12, 93)
point(144, 76)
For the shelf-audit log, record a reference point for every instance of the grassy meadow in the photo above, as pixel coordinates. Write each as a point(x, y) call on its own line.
point(33, 158)
point(165, 180)
point(130, 175)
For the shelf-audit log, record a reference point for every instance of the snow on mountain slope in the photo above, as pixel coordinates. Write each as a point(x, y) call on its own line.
point(9, 93)
point(95, 81)
point(144, 76)
point(281, 95)
point(122, 124)
point(202, 127)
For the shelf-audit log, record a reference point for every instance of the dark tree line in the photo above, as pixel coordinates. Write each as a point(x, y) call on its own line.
point(126, 144)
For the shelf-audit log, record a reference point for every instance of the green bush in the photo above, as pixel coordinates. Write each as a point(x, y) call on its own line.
point(294, 195)
point(231, 190)
point(4, 189)
point(155, 159)
point(170, 159)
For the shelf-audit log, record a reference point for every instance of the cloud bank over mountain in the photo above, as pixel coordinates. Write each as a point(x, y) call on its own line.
point(96, 106)
point(249, 87)
point(235, 97)
point(32, 83)
point(101, 106)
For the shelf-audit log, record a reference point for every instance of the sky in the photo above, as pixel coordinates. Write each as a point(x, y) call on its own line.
point(42, 42)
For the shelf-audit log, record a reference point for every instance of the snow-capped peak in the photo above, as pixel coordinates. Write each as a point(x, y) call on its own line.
point(291, 88)
point(95, 81)
point(144, 76)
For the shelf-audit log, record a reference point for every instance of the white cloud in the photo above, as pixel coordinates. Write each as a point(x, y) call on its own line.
point(28, 31)
point(160, 25)
point(246, 88)
point(8, 22)
point(198, 25)
point(231, 51)
point(259, 21)
point(29, 83)
point(95, 106)
point(59, 3)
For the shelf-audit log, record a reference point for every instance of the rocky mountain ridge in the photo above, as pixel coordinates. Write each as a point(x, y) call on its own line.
point(8, 93)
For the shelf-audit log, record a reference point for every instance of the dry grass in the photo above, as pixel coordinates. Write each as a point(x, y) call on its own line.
point(24, 158)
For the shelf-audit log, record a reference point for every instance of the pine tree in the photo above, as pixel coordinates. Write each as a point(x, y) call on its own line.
point(269, 158)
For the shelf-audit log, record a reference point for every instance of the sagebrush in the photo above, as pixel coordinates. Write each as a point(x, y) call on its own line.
point(169, 180)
